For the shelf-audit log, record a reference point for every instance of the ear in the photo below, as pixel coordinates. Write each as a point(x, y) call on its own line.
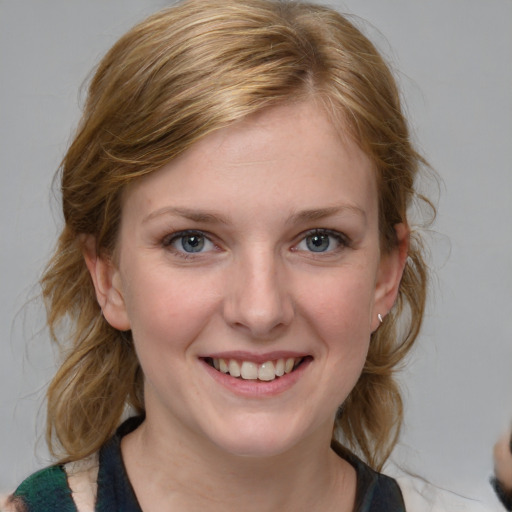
point(107, 284)
point(391, 268)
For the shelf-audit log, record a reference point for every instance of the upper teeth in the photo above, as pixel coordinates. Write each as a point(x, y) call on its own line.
point(249, 370)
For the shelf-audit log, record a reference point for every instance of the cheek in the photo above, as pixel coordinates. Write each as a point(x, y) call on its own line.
point(339, 302)
point(168, 311)
point(338, 310)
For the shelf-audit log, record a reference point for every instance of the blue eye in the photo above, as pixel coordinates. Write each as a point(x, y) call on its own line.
point(321, 240)
point(318, 242)
point(192, 243)
point(189, 242)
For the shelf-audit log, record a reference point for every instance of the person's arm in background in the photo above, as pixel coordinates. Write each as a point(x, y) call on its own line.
point(502, 481)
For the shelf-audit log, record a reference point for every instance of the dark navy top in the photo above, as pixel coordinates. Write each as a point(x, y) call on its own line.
point(48, 490)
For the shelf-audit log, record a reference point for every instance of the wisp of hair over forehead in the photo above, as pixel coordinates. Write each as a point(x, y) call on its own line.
point(171, 80)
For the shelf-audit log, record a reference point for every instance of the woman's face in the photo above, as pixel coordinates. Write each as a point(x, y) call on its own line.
point(250, 274)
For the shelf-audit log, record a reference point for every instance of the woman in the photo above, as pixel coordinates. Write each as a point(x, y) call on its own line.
point(236, 272)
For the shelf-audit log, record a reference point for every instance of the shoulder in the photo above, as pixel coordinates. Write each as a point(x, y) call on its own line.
point(73, 487)
point(68, 488)
point(421, 496)
point(44, 491)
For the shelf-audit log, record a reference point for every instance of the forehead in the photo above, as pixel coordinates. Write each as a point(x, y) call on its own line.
point(288, 157)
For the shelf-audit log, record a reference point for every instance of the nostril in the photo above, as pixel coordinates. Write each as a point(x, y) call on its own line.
point(259, 300)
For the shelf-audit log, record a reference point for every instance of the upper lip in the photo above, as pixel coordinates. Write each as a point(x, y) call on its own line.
point(241, 355)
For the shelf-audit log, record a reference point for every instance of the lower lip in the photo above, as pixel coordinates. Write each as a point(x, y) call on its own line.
point(257, 388)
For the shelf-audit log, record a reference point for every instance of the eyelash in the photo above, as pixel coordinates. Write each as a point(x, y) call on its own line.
point(341, 239)
point(169, 240)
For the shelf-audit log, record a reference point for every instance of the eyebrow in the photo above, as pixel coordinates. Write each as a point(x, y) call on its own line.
point(322, 213)
point(212, 217)
point(190, 214)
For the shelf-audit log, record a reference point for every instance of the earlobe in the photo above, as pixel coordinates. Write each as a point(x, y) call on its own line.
point(391, 268)
point(107, 285)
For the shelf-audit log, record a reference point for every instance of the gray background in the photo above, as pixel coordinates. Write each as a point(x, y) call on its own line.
point(455, 68)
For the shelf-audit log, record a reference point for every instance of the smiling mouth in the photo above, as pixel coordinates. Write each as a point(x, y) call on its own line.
point(249, 370)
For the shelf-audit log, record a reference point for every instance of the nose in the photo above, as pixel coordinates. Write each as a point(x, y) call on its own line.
point(258, 300)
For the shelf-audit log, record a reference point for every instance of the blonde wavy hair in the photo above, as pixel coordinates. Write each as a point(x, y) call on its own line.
point(177, 76)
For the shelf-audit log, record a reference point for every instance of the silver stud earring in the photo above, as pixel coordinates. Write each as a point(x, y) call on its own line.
point(379, 316)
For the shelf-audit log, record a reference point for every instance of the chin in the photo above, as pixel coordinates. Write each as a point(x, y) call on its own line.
point(260, 439)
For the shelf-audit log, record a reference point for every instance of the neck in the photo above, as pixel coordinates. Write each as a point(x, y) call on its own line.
point(187, 475)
